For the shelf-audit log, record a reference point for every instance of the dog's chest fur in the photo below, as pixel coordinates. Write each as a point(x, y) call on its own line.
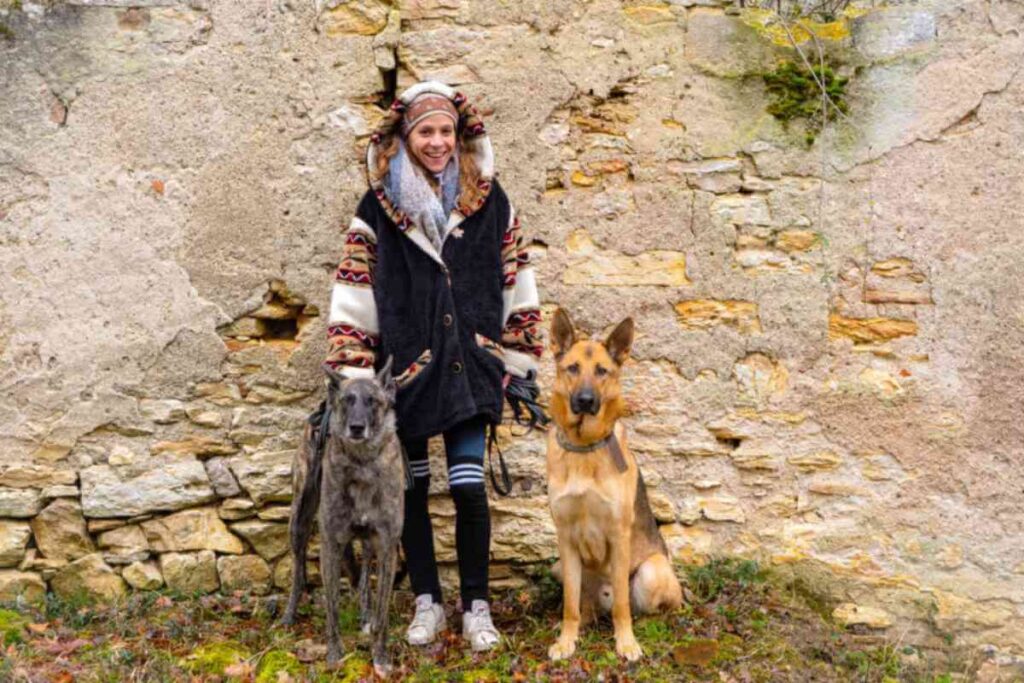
point(369, 489)
point(591, 501)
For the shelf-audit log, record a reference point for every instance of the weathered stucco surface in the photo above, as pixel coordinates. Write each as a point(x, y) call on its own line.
point(828, 369)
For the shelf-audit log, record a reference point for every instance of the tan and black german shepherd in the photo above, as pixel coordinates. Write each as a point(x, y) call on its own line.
point(609, 547)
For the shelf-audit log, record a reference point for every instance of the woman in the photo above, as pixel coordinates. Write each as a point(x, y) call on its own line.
point(435, 273)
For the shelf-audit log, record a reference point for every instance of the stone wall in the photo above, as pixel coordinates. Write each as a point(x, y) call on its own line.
point(827, 373)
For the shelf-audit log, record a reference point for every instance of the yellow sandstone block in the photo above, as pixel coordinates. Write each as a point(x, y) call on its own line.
point(898, 267)
point(648, 14)
point(869, 330)
point(361, 18)
point(702, 314)
point(591, 265)
point(797, 240)
point(820, 460)
point(581, 179)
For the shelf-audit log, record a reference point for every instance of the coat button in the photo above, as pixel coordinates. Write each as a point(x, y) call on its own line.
point(447, 319)
point(457, 367)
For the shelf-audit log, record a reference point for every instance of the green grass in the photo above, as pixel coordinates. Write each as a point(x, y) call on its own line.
point(738, 620)
point(708, 581)
point(12, 627)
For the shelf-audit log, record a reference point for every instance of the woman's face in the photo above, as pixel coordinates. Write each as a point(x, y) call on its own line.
point(432, 142)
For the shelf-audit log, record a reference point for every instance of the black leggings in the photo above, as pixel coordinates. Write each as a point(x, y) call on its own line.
point(464, 449)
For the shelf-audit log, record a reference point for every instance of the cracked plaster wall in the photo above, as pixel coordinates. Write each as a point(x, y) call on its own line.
point(827, 373)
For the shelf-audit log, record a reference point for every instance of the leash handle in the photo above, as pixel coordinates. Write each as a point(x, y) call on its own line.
point(523, 394)
point(505, 487)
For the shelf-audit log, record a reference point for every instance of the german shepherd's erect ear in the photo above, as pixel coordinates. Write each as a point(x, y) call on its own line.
point(620, 341)
point(386, 381)
point(563, 336)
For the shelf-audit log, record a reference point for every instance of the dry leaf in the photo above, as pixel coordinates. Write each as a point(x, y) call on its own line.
point(239, 670)
point(698, 653)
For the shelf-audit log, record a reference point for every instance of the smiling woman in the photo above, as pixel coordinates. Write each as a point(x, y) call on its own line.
point(435, 274)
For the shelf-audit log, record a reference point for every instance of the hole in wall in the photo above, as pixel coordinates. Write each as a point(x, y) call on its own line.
point(279, 320)
point(390, 91)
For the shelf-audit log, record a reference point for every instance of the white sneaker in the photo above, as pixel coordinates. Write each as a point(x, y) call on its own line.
point(478, 628)
point(427, 622)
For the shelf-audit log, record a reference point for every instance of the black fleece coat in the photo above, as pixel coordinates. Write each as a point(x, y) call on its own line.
point(422, 306)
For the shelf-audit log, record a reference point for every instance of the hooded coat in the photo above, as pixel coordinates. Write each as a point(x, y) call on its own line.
point(454, 320)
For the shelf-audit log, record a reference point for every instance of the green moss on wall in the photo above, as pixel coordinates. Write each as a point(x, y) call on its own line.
point(796, 93)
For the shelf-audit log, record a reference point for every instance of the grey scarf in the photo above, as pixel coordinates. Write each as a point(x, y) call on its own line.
point(408, 188)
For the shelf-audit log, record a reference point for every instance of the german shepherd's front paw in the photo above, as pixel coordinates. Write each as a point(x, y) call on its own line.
point(562, 649)
point(627, 647)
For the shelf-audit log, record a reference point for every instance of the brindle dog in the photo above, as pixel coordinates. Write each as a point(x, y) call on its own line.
point(361, 495)
point(609, 546)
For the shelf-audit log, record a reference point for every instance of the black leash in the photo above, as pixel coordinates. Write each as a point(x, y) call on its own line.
point(522, 394)
point(505, 487)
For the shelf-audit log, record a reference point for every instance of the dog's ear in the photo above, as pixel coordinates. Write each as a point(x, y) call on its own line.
point(620, 341)
point(563, 336)
point(387, 381)
point(333, 379)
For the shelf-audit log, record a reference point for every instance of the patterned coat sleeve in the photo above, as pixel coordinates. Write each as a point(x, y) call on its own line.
point(353, 333)
point(520, 336)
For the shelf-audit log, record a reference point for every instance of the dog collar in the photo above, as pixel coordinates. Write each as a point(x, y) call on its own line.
point(610, 441)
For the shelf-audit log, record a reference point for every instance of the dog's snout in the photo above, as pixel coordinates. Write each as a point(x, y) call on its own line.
point(585, 401)
point(356, 431)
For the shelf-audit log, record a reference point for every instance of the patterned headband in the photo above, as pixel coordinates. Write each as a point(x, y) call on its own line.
point(426, 105)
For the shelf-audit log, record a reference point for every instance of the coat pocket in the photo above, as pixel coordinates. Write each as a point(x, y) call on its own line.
point(490, 346)
point(413, 371)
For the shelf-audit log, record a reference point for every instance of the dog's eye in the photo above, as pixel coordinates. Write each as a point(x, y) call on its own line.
point(350, 400)
point(600, 371)
point(573, 369)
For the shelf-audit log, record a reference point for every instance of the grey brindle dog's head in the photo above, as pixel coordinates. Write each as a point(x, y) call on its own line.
point(361, 412)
